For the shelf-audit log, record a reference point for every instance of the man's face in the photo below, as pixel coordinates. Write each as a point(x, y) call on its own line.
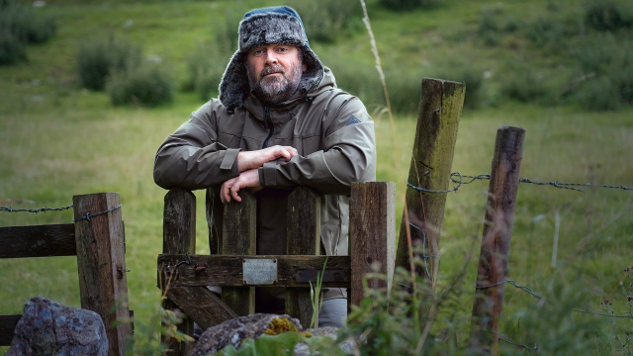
point(274, 72)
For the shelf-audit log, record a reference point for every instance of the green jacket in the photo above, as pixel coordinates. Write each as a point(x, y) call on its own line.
point(331, 130)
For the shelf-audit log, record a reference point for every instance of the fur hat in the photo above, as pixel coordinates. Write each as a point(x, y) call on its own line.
point(259, 27)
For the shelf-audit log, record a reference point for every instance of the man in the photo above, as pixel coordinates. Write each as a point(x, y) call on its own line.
point(279, 122)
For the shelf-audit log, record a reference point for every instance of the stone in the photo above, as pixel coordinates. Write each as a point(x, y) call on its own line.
point(49, 328)
point(347, 346)
point(233, 332)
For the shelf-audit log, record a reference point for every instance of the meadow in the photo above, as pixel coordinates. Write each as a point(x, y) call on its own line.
point(59, 140)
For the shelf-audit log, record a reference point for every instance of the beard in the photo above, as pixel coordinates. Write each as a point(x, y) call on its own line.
point(275, 89)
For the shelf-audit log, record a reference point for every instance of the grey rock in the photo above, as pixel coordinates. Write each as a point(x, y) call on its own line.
point(49, 328)
point(233, 332)
point(348, 346)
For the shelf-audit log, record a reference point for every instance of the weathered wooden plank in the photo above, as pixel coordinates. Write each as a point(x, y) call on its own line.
point(292, 271)
point(372, 235)
point(201, 305)
point(239, 225)
point(303, 238)
point(495, 245)
point(37, 241)
point(101, 263)
point(7, 327)
point(179, 236)
point(438, 117)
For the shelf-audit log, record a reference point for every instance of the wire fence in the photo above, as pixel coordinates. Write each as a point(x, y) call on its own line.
point(85, 217)
point(464, 179)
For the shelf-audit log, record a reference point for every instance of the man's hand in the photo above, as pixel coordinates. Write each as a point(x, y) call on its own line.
point(247, 160)
point(247, 179)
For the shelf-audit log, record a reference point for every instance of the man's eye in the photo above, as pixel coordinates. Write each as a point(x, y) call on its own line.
point(258, 52)
point(282, 49)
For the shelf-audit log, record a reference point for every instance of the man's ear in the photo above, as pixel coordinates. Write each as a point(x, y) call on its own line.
point(304, 67)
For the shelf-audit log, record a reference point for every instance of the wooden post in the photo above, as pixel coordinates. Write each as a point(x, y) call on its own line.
point(438, 117)
point(303, 238)
point(372, 236)
point(101, 264)
point(239, 238)
point(495, 245)
point(179, 237)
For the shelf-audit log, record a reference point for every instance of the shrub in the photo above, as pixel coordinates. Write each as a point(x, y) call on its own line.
point(205, 66)
point(99, 58)
point(20, 25)
point(12, 50)
point(409, 4)
point(327, 20)
point(607, 15)
point(148, 85)
point(524, 83)
point(605, 71)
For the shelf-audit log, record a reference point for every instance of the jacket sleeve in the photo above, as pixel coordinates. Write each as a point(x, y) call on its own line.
point(192, 157)
point(349, 156)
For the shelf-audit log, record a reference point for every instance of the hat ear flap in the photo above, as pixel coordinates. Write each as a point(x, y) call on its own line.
point(234, 85)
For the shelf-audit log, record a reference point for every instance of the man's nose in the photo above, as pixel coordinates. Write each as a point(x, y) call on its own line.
point(271, 57)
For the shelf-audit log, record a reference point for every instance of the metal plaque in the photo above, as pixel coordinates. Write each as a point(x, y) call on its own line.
point(259, 271)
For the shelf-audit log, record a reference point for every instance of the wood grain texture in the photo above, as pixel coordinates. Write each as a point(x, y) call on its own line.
point(495, 245)
point(179, 237)
point(303, 238)
point(37, 241)
point(101, 264)
point(226, 271)
point(239, 226)
point(201, 305)
point(372, 235)
point(441, 105)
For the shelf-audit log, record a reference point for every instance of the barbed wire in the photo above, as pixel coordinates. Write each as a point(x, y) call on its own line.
point(530, 348)
point(87, 217)
point(9, 209)
point(458, 179)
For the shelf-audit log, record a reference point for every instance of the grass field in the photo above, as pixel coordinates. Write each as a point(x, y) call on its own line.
point(59, 140)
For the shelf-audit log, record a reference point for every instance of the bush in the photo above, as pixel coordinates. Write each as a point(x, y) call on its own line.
point(148, 85)
point(605, 71)
point(20, 25)
point(205, 66)
point(99, 58)
point(12, 50)
point(409, 4)
point(607, 15)
point(327, 20)
point(524, 83)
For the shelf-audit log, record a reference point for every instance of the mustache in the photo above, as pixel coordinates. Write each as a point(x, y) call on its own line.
point(272, 69)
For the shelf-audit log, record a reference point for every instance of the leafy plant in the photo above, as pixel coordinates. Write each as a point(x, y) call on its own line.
point(148, 85)
point(316, 298)
point(608, 15)
point(328, 20)
point(20, 25)
point(100, 58)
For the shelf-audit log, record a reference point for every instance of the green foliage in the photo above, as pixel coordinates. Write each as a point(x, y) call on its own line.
point(608, 15)
point(328, 20)
point(524, 83)
point(205, 66)
point(409, 4)
point(20, 25)
point(147, 85)
point(100, 58)
point(316, 298)
point(12, 50)
point(605, 69)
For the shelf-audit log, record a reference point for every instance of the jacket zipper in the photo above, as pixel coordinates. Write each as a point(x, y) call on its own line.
point(269, 124)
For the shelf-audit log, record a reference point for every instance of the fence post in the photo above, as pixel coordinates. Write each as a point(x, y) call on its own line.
point(303, 238)
point(179, 237)
point(101, 264)
point(372, 236)
point(438, 117)
point(495, 245)
point(238, 238)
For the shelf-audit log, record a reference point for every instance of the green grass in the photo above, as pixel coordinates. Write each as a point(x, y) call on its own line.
point(59, 141)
